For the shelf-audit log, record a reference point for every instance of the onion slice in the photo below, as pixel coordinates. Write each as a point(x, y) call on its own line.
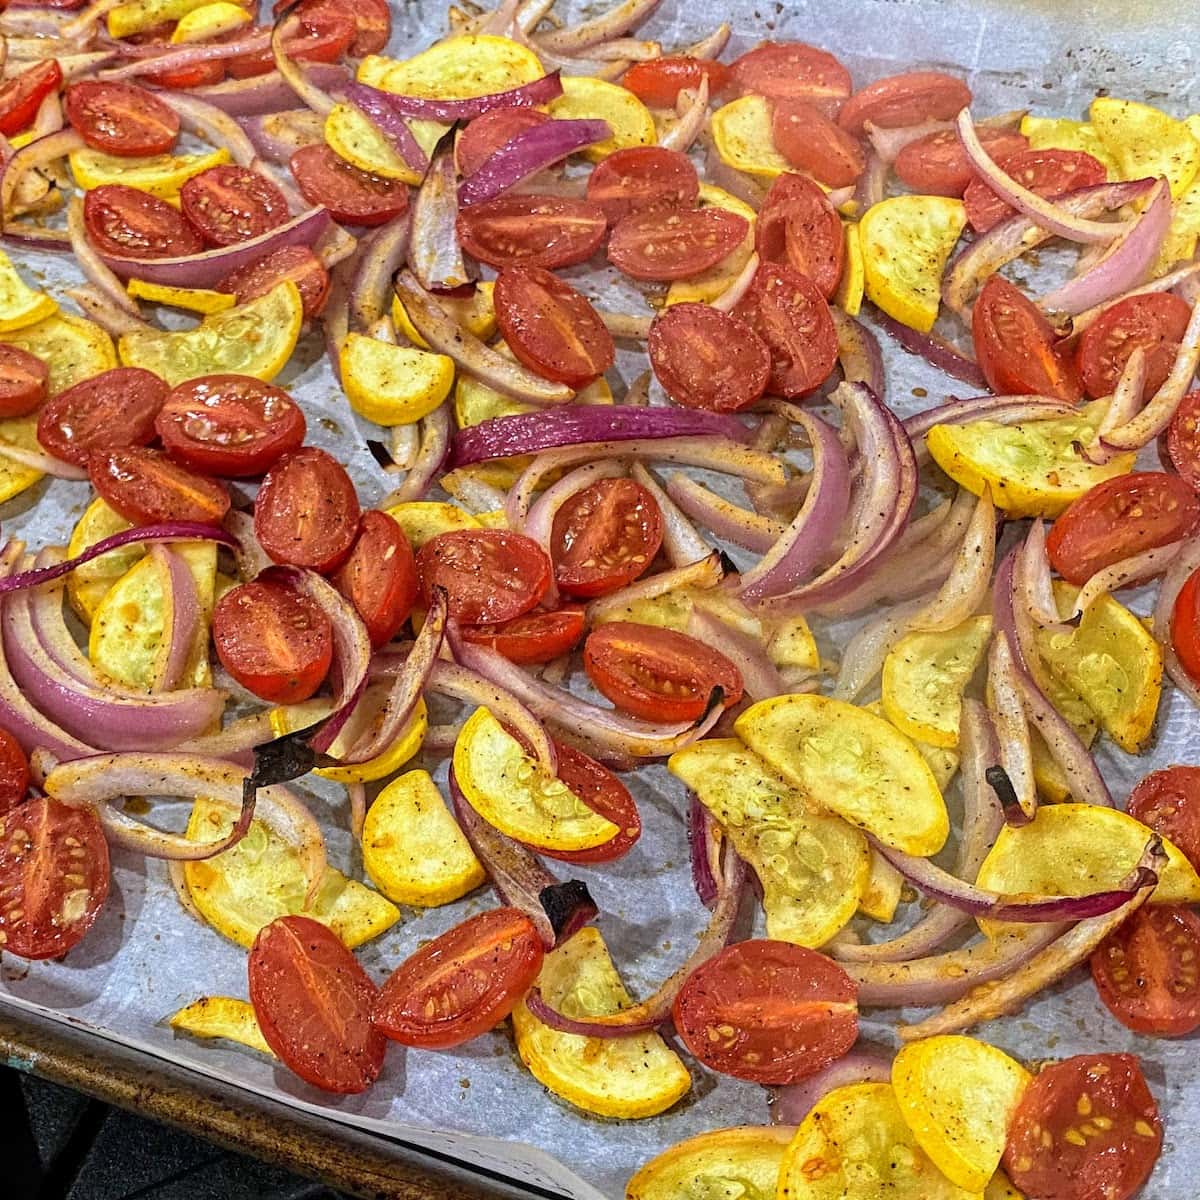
point(933, 350)
point(1182, 567)
point(1138, 568)
point(528, 95)
point(681, 543)
point(740, 526)
point(704, 850)
point(603, 28)
point(381, 255)
point(213, 125)
point(858, 352)
point(692, 107)
point(185, 617)
point(431, 455)
point(434, 252)
point(760, 676)
point(38, 153)
point(375, 107)
point(704, 572)
point(1125, 404)
point(269, 93)
point(791, 1104)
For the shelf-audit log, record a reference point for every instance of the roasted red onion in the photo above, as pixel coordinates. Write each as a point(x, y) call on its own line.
point(434, 252)
point(858, 352)
point(681, 543)
point(791, 1104)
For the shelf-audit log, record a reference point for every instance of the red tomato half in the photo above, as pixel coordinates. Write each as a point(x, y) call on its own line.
point(490, 575)
point(14, 772)
point(768, 1012)
point(705, 358)
point(125, 222)
point(905, 99)
point(121, 118)
point(353, 197)
point(372, 19)
point(53, 877)
point(274, 641)
point(1155, 322)
point(147, 488)
point(658, 674)
point(380, 576)
point(313, 1003)
point(22, 95)
point(324, 36)
point(1182, 441)
point(1185, 627)
point(937, 164)
point(201, 74)
point(1118, 518)
point(297, 263)
point(486, 134)
point(1045, 1157)
point(603, 793)
point(798, 226)
point(794, 71)
point(659, 81)
point(113, 409)
point(808, 139)
point(1016, 348)
point(463, 983)
point(1049, 173)
point(231, 425)
point(536, 637)
point(227, 205)
point(24, 381)
point(667, 244)
point(604, 537)
point(642, 177)
point(535, 231)
point(1168, 801)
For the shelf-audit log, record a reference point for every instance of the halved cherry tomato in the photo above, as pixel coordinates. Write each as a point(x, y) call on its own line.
point(201, 74)
point(325, 35)
point(128, 223)
point(1181, 443)
point(53, 877)
point(788, 311)
point(768, 1011)
point(603, 793)
point(113, 409)
point(1015, 346)
point(372, 19)
point(14, 772)
point(484, 135)
point(313, 1004)
point(1155, 322)
point(550, 327)
point(24, 380)
point(121, 118)
point(1185, 627)
point(380, 576)
point(658, 674)
point(461, 984)
point(808, 139)
point(705, 358)
point(1148, 971)
point(537, 231)
point(490, 575)
point(352, 196)
point(306, 512)
point(794, 71)
point(797, 225)
point(906, 99)
point(1049, 173)
point(604, 537)
point(21, 96)
point(297, 263)
point(659, 81)
point(674, 243)
point(228, 204)
point(536, 637)
point(937, 164)
point(1048, 1156)
point(1168, 801)
point(147, 488)
point(1118, 518)
point(642, 177)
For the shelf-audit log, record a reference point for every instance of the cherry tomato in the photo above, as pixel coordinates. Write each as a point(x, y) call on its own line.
point(659, 81)
point(1015, 346)
point(201, 74)
point(53, 877)
point(1048, 1155)
point(1049, 173)
point(372, 19)
point(808, 139)
point(937, 164)
point(907, 99)
point(325, 35)
point(603, 793)
point(1155, 322)
point(768, 1012)
point(1118, 518)
point(297, 263)
point(798, 226)
point(121, 118)
point(786, 309)
point(1168, 801)
point(24, 380)
point(666, 244)
point(486, 134)
point(147, 488)
point(794, 71)
point(306, 512)
point(658, 674)
point(1185, 627)
point(313, 1003)
point(14, 772)
point(353, 197)
point(113, 409)
point(535, 231)
point(1181, 444)
point(232, 425)
point(705, 358)
point(127, 223)
point(604, 537)
point(228, 204)
point(536, 637)
point(550, 327)
point(380, 576)
point(461, 984)
point(22, 95)
point(490, 575)
point(642, 177)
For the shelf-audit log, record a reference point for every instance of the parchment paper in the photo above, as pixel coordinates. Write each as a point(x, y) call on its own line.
point(146, 958)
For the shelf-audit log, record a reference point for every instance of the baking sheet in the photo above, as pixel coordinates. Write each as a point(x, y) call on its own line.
point(145, 958)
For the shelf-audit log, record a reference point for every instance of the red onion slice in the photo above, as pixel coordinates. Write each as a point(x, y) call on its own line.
point(276, 136)
point(611, 23)
point(933, 350)
point(185, 617)
point(704, 850)
point(40, 152)
point(528, 95)
point(681, 543)
point(1181, 280)
point(434, 252)
point(1004, 410)
point(872, 183)
point(1125, 404)
point(270, 92)
point(375, 107)
point(967, 585)
point(859, 353)
point(704, 573)
point(153, 60)
point(1183, 566)
point(432, 453)
point(1012, 730)
point(888, 143)
point(739, 526)
point(760, 676)
point(210, 123)
point(1138, 568)
point(791, 1104)
point(692, 107)
point(381, 254)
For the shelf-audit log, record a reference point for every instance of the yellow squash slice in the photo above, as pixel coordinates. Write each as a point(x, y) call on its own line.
point(222, 1017)
point(708, 285)
point(352, 136)
point(140, 15)
point(885, 885)
point(941, 761)
point(393, 385)
point(162, 175)
point(1061, 133)
point(853, 283)
point(88, 584)
point(741, 132)
point(210, 22)
point(20, 305)
point(627, 1077)
point(201, 300)
point(1180, 243)
point(585, 98)
point(475, 313)
point(425, 519)
point(15, 477)
point(724, 1164)
point(74, 349)
point(1145, 142)
point(455, 68)
point(1000, 1188)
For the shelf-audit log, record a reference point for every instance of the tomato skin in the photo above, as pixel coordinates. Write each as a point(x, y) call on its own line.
point(121, 118)
point(808, 139)
point(228, 204)
point(1015, 346)
point(673, 244)
point(147, 488)
point(641, 177)
point(306, 512)
point(297, 263)
point(40, 844)
point(603, 793)
point(1155, 322)
point(327, 1038)
point(353, 197)
point(1118, 518)
point(794, 71)
point(550, 327)
point(532, 230)
point(798, 226)
point(380, 576)
point(1182, 441)
point(657, 83)
point(201, 74)
point(21, 96)
point(937, 164)
point(14, 773)
point(1168, 801)
point(326, 34)
point(658, 674)
point(24, 381)
point(113, 409)
point(1114, 1161)
point(536, 637)
point(761, 990)
point(906, 99)
point(1049, 173)
point(471, 977)
point(490, 575)
point(1185, 627)
point(372, 19)
point(486, 134)
point(256, 623)
point(124, 222)
point(708, 359)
